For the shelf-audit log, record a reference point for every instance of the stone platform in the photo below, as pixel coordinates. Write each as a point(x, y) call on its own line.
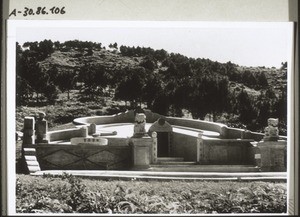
point(169, 176)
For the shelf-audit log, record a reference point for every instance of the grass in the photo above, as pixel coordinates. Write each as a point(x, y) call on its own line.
point(69, 194)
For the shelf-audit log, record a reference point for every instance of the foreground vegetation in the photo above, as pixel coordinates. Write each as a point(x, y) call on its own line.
point(69, 194)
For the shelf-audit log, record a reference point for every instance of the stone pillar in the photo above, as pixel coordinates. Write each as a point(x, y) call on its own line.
point(154, 148)
point(28, 131)
point(41, 128)
point(141, 152)
point(92, 128)
point(84, 131)
point(200, 153)
point(273, 156)
point(223, 132)
point(255, 151)
point(272, 152)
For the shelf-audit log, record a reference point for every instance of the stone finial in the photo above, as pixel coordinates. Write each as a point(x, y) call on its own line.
point(154, 134)
point(41, 128)
point(271, 131)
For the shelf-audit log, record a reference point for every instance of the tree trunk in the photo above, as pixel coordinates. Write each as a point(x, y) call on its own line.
point(68, 95)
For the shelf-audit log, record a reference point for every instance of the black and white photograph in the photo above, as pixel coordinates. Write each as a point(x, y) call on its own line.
point(150, 117)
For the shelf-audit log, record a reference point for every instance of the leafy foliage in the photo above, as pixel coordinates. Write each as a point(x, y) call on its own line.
point(69, 194)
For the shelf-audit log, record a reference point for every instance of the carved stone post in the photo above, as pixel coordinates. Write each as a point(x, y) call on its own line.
point(200, 153)
point(41, 128)
point(154, 147)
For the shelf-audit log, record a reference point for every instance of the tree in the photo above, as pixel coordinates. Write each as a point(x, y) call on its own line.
point(51, 92)
point(152, 89)
point(95, 79)
point(248, 78)
point(148, 63)
point(161, 104)
point(245, 108)
point(131, 87)
point(66, 81)
point(45, 48)
point(262, 80)
point(160, 54)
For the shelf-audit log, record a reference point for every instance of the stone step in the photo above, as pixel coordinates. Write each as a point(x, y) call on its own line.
point(161, 159)
point(33, 169)
point(203, 168)
point(32, 163)
point(29, 151)
point(162, 163)
point(30, 158)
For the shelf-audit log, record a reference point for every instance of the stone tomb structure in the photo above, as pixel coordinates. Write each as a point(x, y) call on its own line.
point(144, 140)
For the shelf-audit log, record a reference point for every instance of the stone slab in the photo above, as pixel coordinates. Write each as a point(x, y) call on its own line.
point(33, 169)
point(32, 163)
point(29, 151)
point(151, 175)
point(30, 158)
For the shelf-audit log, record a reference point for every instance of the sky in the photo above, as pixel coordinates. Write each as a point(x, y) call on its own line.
point(246, 44)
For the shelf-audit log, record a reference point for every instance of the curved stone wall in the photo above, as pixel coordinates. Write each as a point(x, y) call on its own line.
point(128, 117)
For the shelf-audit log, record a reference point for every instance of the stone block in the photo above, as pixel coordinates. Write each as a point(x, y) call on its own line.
point(88, 141)
point(28, 140)
point(273, 156)
point(141, 152)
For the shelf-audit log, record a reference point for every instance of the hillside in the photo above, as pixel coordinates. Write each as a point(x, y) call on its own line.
point(75, 59)
point(113, 60)
point(167, 83)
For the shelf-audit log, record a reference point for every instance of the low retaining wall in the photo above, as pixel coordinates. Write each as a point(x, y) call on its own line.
point(198, 124)
point(80, 157)
point(184, 146)
point(225, 151)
